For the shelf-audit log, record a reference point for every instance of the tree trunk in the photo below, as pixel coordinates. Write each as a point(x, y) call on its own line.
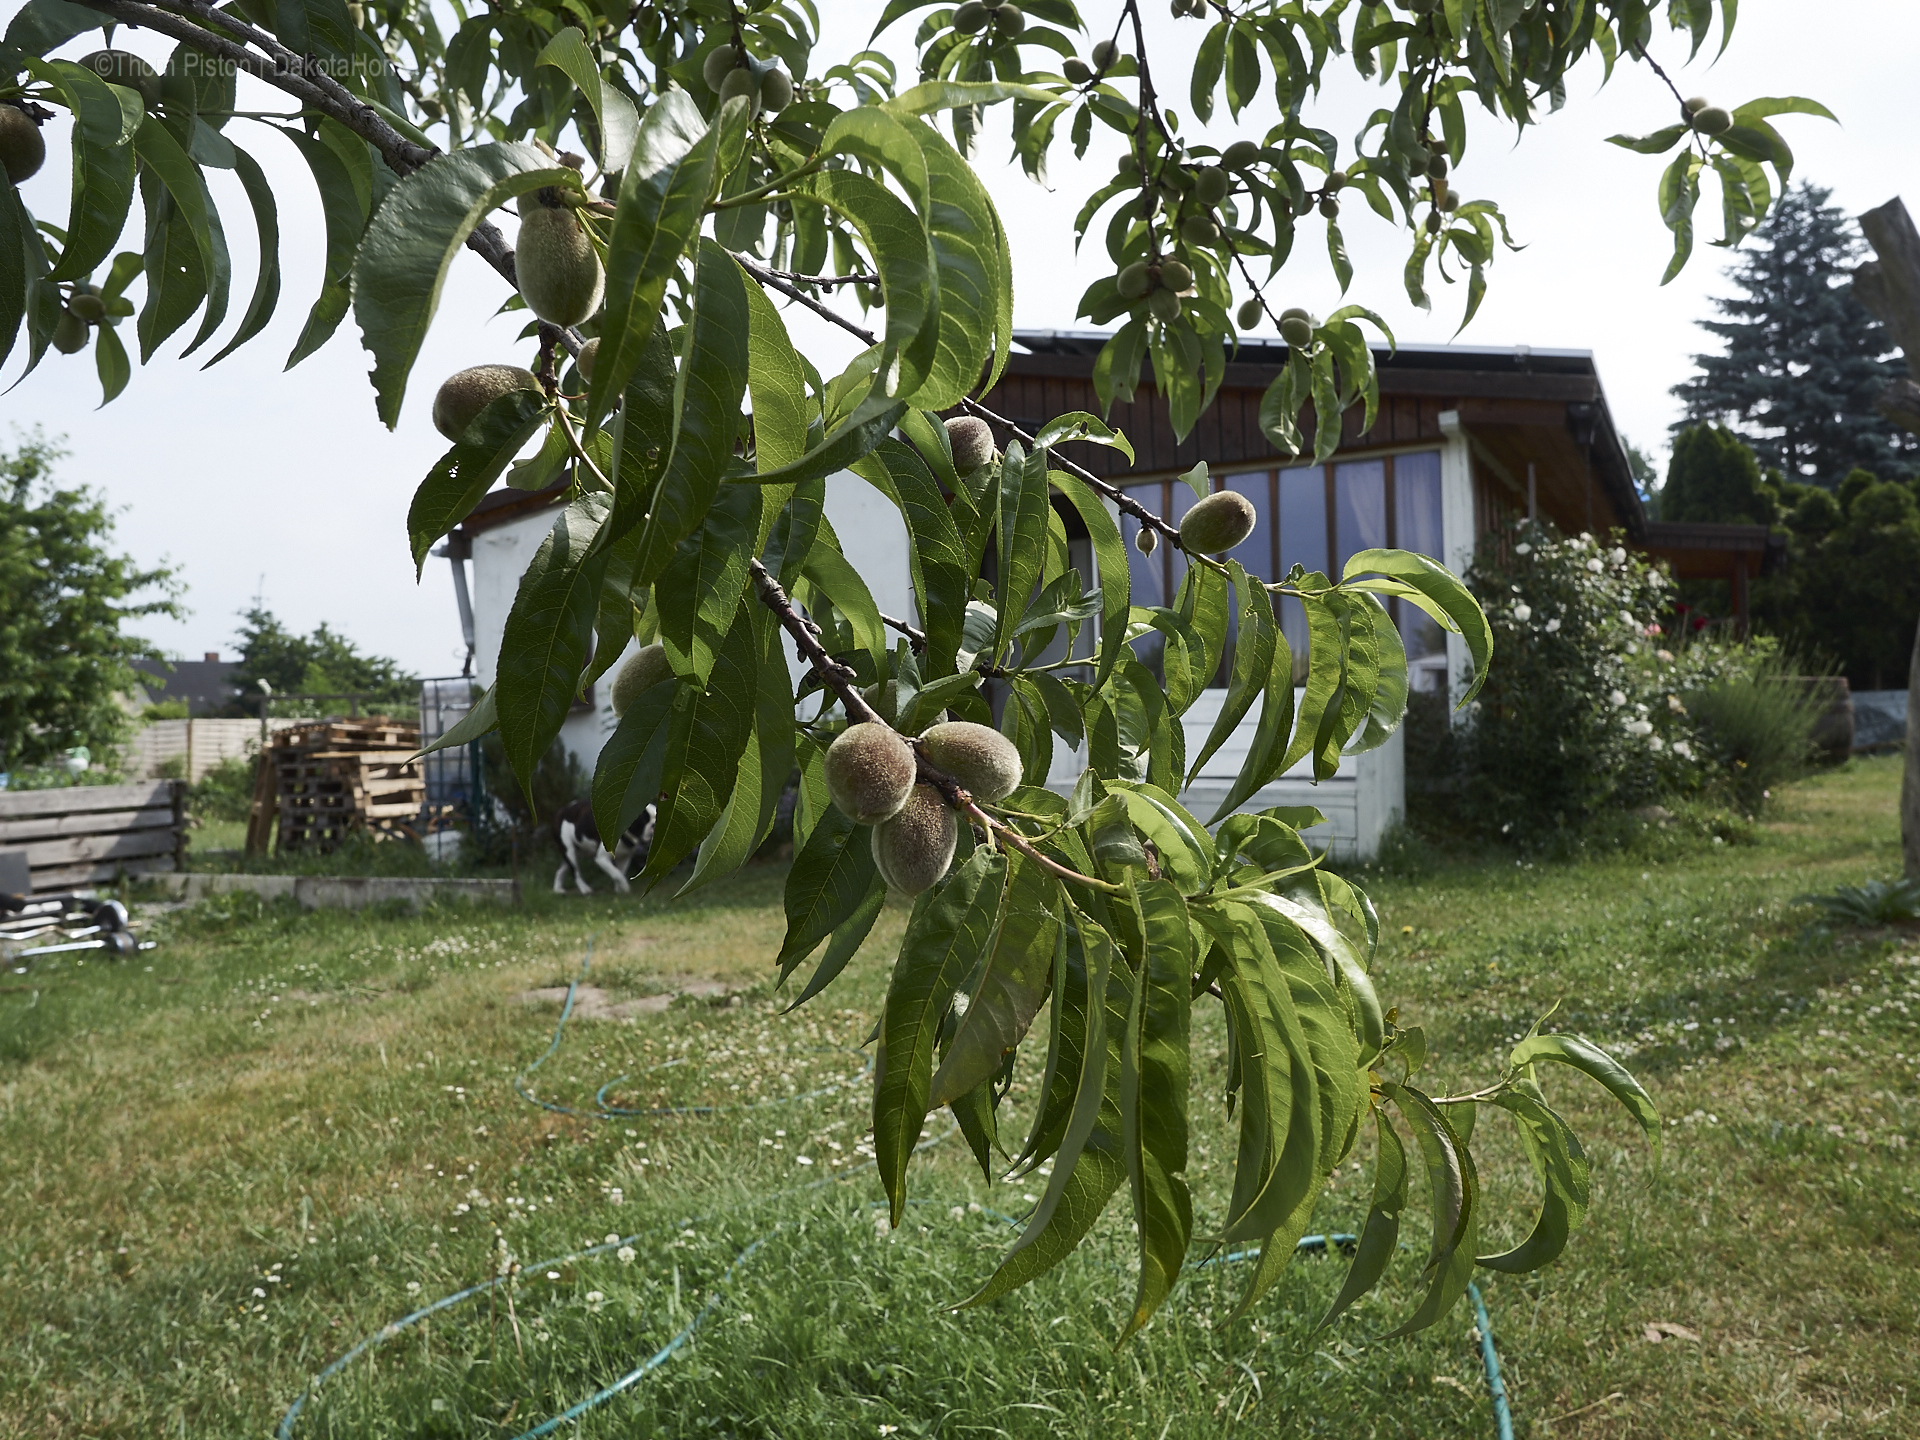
point(1890, 288)
point(1910, 783)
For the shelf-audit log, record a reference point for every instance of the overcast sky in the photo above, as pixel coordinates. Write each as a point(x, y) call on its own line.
point(285, 484)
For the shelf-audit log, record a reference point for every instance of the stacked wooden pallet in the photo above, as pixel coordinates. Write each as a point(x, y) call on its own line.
point(335, 776)
point(90, 834)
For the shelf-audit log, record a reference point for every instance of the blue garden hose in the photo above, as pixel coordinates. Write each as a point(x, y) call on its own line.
point(1496, 1386)
point(1490, 1359)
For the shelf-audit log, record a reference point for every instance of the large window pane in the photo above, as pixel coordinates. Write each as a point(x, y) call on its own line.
point(1416, 521)
point(1360, 508)
point(1255, 552)
point(1416, 496)
point(1156, 577)
point(1303, 541)
point(1148, 572)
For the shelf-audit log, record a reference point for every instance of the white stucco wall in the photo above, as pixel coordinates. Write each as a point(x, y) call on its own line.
point(500, 555)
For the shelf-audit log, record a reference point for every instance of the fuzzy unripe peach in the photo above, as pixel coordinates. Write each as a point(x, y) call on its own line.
point(913, 849)
point(1218, 523)
point(869, 772)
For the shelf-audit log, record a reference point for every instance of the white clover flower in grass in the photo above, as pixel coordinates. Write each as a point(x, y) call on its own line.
point(413, 1287)
point(595, 1300)
point(625, 1254)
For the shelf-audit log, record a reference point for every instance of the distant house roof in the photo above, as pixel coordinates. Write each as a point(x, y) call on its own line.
point(206, 685)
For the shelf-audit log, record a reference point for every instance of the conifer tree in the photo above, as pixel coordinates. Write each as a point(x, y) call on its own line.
point(1804, 359)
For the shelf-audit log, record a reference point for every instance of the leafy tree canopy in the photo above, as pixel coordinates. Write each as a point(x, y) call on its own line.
point(323, 663)
point(1849, 592)
point(1804, 360)
point(65, 658)
point(717, 167)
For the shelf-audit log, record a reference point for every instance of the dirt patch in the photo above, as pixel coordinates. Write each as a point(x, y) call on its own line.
point(590, 1002)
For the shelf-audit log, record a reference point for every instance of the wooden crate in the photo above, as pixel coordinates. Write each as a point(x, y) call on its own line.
point(332, 777)
point(91, 834)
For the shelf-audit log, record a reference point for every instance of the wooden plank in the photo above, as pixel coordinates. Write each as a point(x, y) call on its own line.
point(260, 812)
point(80, 799)
point(77, 848)
point(53, 827)
point(70, 877)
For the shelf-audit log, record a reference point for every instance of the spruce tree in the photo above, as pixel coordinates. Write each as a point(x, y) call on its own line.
point(1804, 359)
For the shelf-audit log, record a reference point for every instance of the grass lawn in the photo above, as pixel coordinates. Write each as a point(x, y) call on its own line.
point(224, 1163)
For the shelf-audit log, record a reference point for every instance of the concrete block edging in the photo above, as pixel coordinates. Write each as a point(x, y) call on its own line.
point(338, 892)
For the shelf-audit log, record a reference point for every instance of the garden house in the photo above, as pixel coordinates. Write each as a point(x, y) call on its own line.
point(1466, 441)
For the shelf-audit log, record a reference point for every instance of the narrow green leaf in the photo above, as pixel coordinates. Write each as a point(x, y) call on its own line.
point(1012, 983)
point(1252, 661)
point(1266, 754)
point(698, 594)
point(410, 243)
point(827, 571)
point(942, 576)
point(708, 389)
point(903, 253)
point(1382, 1231)
point(848, 936)
point(16, 234)
point(1454, 1191)
point(663, 194)
point(1436, 590)
point(480, 720)
point(466, 472)
point(102, 166)
point(1186, 855)
point(1593, 1062)
point(964, 233)
point(1154, 1074)
point(618, 120)
point(711, 731)
point(266, 285)
point(777, 381)
point(1090, 1162)
point(870, 422)
point(949, 928)
point(1022, 528)
point(111, 363)
point(627, 777)
point(1560, 1165)
point(830, 880)
point(548, 634)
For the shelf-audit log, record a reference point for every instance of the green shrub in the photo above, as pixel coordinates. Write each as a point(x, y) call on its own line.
point(1758, 728)
point(226, 791)
point(1583, 713)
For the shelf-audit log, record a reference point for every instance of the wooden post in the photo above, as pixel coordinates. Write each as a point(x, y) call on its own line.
point(262, 812)
point(180, 818)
